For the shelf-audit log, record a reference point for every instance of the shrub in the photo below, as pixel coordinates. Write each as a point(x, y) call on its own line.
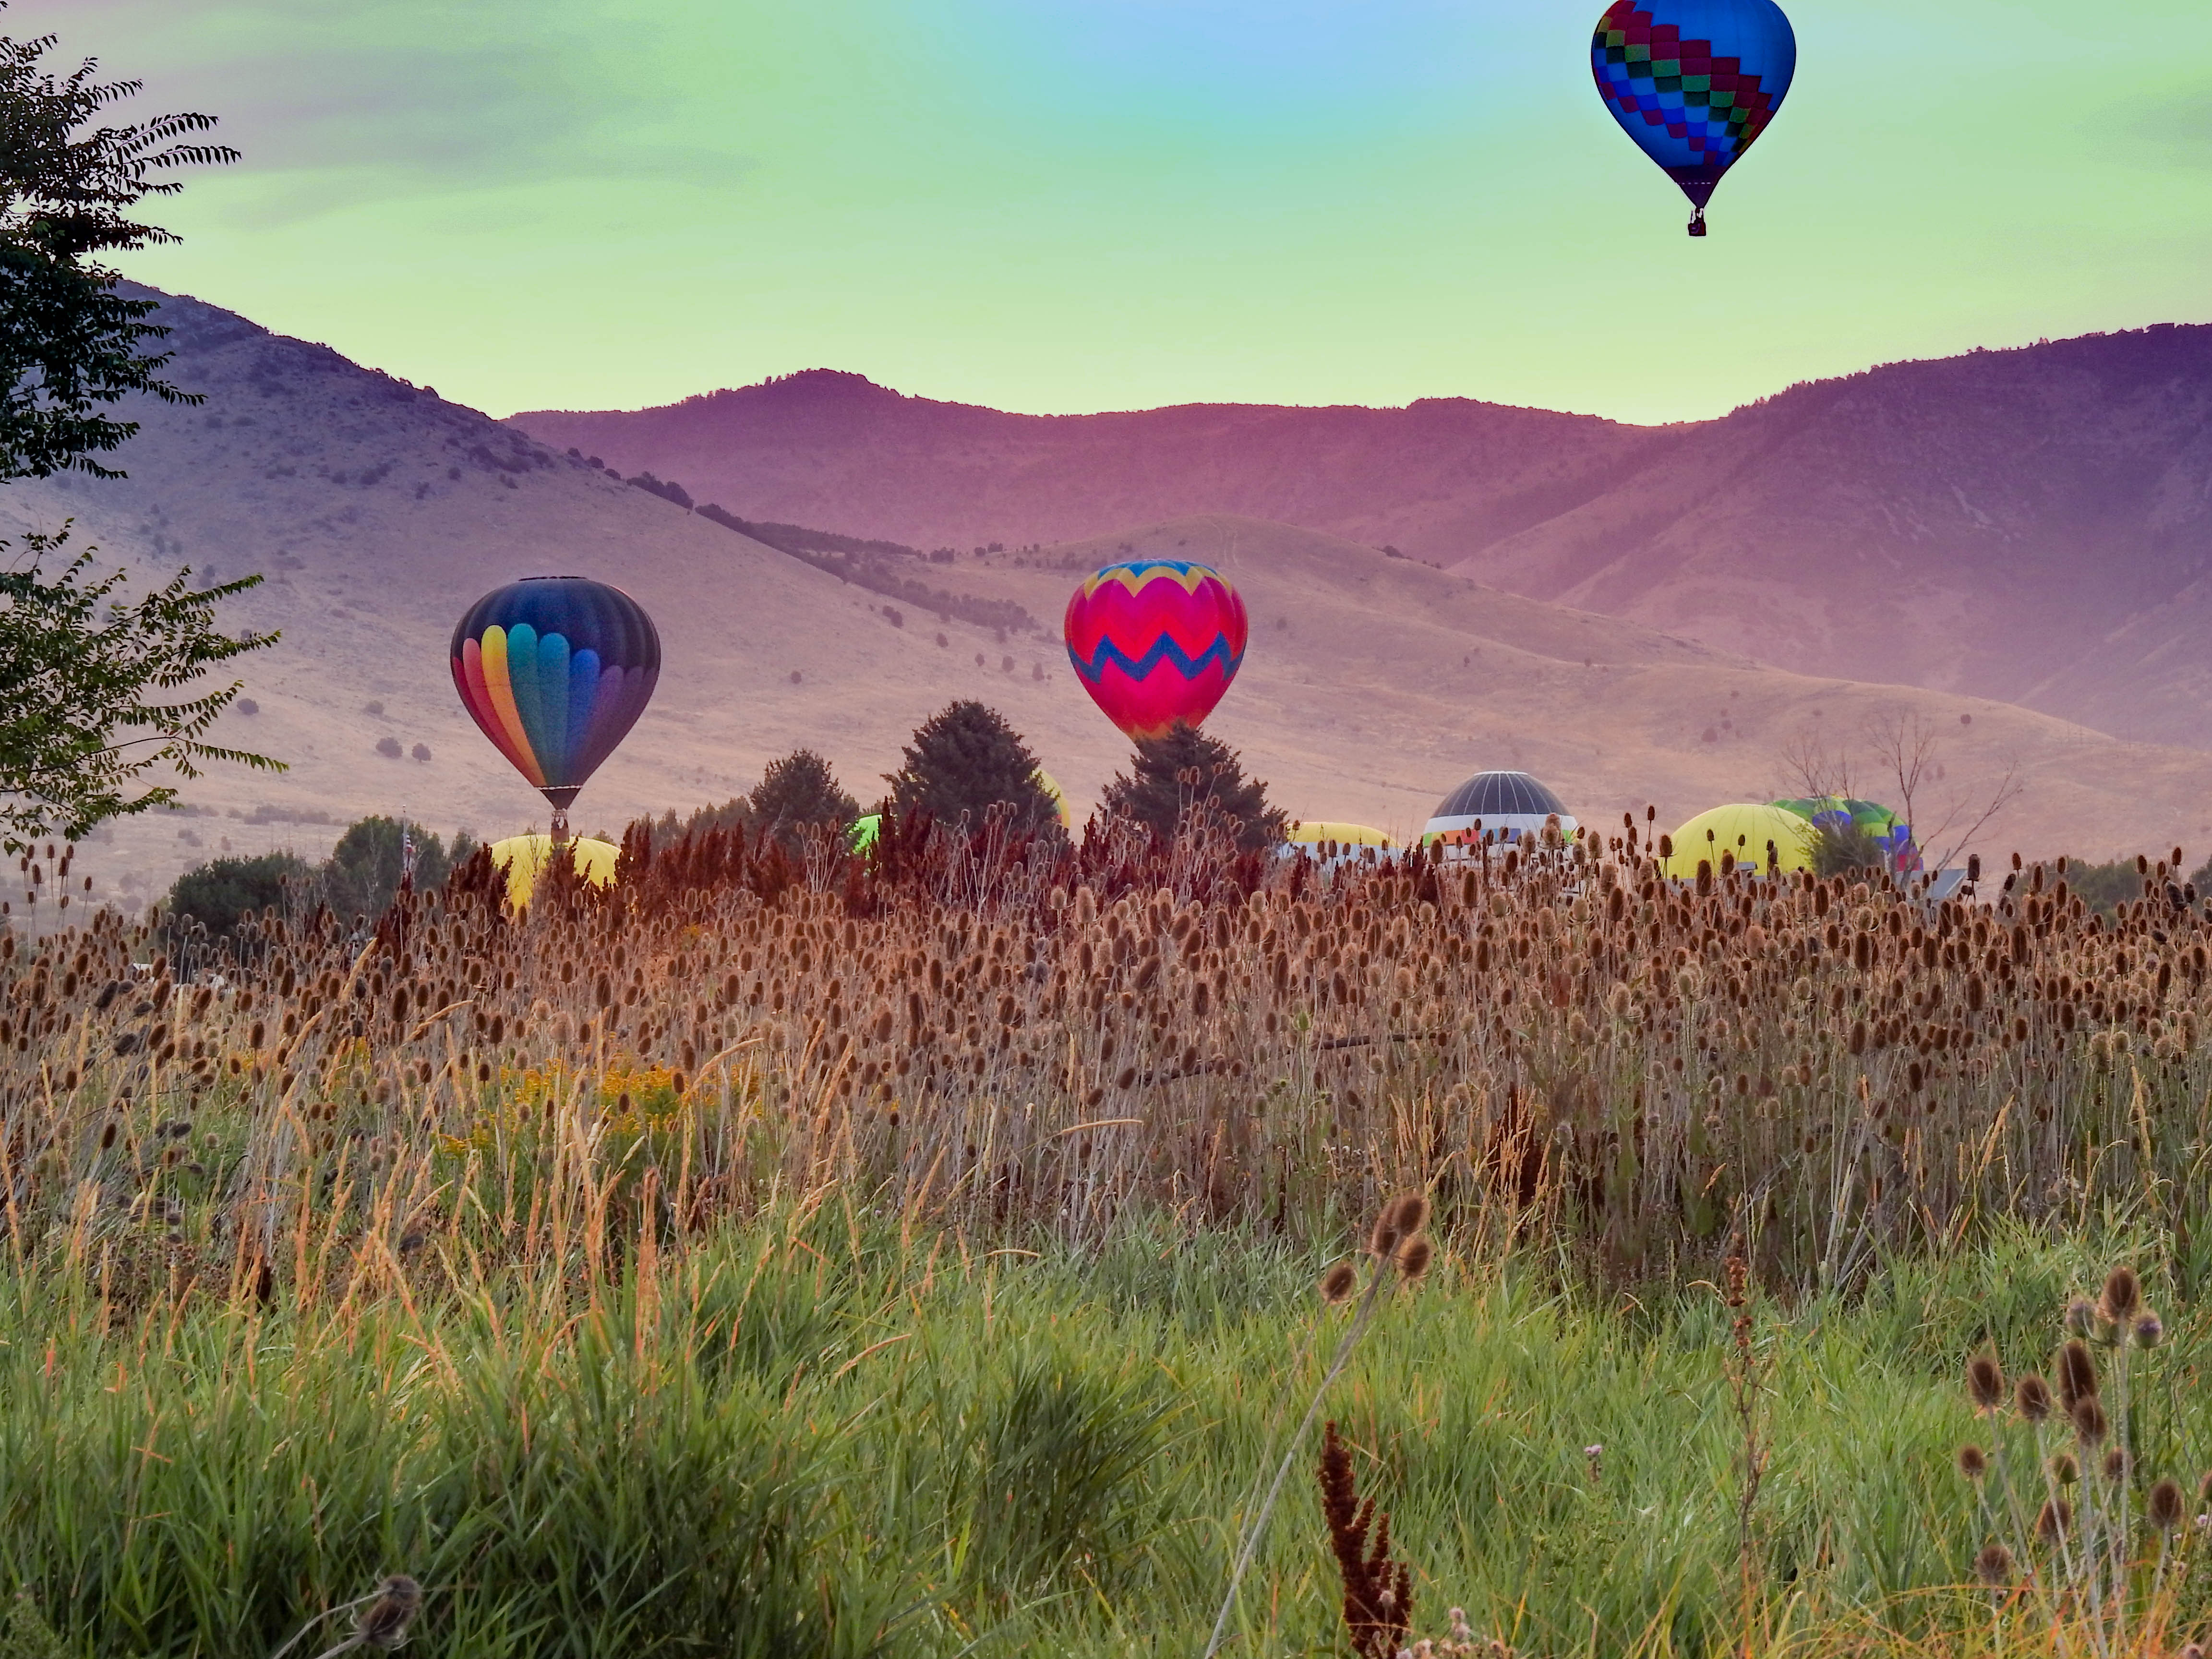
point(421, 752)
point(388, 747)
point(218, 894)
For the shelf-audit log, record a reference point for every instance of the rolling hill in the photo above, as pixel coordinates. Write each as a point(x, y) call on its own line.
point(2031, 526)
point(1373, 684)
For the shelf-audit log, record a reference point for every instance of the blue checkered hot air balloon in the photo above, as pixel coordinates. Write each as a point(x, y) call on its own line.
point(1693, 83)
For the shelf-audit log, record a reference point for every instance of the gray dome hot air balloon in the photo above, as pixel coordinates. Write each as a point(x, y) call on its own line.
point(1498, 808)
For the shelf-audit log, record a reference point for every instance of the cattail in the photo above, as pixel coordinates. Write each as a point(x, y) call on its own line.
point(1986, 1384)
point(2089, 1425)
point(2123, 1295)
point(2056, 1522)
point(1971, 1462)
point(2162, 1508)
point(1413, 1258)
point(1336, 1285)
point(2033, 1399)
point(1410, 1214)
point(2077, 1374)
point(1993, 1566)
point(2149, 1331)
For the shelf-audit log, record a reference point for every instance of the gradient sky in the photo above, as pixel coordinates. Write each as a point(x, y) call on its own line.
point(1079, 204)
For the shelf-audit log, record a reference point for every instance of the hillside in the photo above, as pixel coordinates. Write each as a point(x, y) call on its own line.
point(1372, 686)
point(2026, 525)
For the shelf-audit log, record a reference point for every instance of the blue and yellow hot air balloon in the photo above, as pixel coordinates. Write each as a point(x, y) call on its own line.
point(556, 670)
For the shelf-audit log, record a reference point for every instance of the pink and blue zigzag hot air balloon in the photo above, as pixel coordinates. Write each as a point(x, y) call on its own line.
point(556, 670)
point(1693, 83)
point(1156, 642)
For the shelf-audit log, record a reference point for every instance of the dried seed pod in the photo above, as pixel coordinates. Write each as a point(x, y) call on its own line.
point(2123, 1295)
point(2056, 1522)
point(1410, 1214)
point(1414, 1256)
point(1986, 1384)
point(1994, 1564)
point(2064, 1470)
point(1973, 1464)
point(2089, 1424)
point(2163, 1507)
point(2033, 1399)
point(2077, 1374)
point(1336, 1285)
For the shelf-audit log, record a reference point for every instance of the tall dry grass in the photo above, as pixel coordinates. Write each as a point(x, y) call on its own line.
point(1011, 1039)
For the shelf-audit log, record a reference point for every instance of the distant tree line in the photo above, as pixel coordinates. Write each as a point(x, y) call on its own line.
point(360, 879)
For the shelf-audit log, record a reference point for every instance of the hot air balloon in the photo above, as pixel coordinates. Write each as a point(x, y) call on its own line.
point(1156, 642)
point(1766, 839)
point(1498, 807)
point(1693, 83)
point(525, 858)
point(556, 670)
point(1891, 836)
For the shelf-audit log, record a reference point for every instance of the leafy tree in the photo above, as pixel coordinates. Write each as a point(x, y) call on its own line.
point(81, 671)
point(966, 759)
point(1173, 774)
point(218, 894)
point(82, 677)
point(361, 876)
point(69, 343)
point(796, 793)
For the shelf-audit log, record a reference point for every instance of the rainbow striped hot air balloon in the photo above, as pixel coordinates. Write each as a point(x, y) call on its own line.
point(1156, 642)
point(556, 670)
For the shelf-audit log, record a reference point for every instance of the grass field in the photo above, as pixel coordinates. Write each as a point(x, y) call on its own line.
point(772, 1259)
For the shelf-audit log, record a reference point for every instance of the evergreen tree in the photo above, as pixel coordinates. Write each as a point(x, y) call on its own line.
point(218, 894)
point(1173, 774)
point(965, 760)
point(796, 793)
point(361, 876)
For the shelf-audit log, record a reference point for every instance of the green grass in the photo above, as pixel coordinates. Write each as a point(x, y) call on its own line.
point(805, 1436)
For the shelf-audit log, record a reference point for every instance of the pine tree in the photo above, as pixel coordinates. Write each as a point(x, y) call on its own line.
point(796, 793)
point(1174, 773)
point(965, 760)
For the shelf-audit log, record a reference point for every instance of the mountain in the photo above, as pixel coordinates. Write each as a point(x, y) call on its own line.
point(1373, 684)
point(2030, 526)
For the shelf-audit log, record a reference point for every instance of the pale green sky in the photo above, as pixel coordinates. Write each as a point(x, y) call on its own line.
point(1081, 204)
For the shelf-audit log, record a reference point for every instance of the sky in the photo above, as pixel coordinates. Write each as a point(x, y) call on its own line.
point(1066, 205)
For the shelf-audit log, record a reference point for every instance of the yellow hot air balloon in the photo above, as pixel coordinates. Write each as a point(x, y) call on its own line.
point(1344, 835)
point(1744, 831)
point(526, 857)
point(1059, 798)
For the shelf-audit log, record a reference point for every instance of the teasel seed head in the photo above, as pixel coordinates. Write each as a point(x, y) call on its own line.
point(2204, 1491)
point(2150, 1330)
point(1993, 1566)
point(2089, 1425)
point(2064, 1470)
point(2123, 1295)
point(2082, 1317)
point(1986, 1384)
point(1336, 1285)
point(2077, 1374)
point(2056, 1522)
point(2116, 1466)
point(1410, 1214)
point(1971, 1462)
point(2163, 1507)
point(1414, 1257)
point(2033, 1398)
point(1384, 1239)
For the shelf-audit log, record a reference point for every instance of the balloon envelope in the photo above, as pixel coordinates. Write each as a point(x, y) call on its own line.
point(526, 857)
point(1344, 834)
point(556, 670)
point(1694, 83)
point(1741, 831)
point(1879, 824)
point(1498, 807)
point(1155, 641)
